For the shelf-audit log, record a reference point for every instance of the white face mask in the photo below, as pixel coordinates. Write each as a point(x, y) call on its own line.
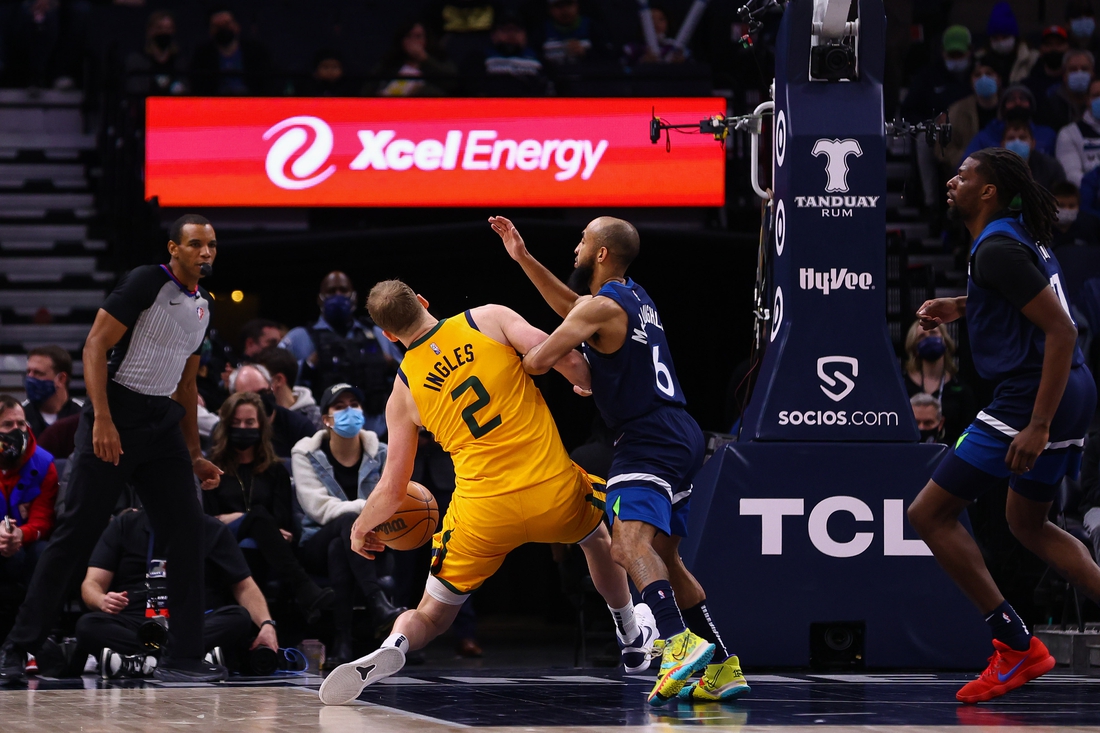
point(1003, 45)
point(1067, 216)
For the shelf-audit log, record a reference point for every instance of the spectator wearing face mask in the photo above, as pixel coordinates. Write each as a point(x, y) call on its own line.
point(1005, 51)
point(944, 81)
point(971, 114)
point(1045, 169)
point(1073, 227)
point(928, 412)
point(1017, 104)
point(49, 373)
point(1081, 19)
point(254, 498)
point(228, 64)
point(1078, 145)
point(334, 472)
point(341, 347)
point(287, 427)
point(283, 368)
point(28, 480)
point(1047, 71)
point(1064, 104)
point(932, 369)
point(158, 69)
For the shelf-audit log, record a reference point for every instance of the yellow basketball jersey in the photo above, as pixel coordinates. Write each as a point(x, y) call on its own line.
point(474, 396)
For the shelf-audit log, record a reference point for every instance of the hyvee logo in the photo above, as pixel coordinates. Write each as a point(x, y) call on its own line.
point(382, 150)
point(840, 377)
point(836, 154)
point(834, 279)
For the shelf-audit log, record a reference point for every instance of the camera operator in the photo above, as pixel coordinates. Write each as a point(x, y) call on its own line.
point(126, 585)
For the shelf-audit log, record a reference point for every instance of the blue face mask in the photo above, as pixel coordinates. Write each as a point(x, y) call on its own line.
point(348, 422)
point(985, 86)
point(337, 310)
point(957, 66)
point(39, 390)
point(931, 348)
point(1082, 27)
point(1078, 81)
point(1020, 147)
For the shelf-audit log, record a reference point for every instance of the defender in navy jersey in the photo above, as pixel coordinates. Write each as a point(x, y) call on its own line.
point(659, 446)
point(1031, 436)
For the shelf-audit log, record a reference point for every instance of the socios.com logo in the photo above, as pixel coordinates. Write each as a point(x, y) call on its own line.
point(295, 134)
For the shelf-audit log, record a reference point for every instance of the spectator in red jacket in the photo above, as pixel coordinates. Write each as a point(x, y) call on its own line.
point(28, 483)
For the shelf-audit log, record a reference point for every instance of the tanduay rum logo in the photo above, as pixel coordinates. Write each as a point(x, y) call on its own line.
point(836, 153)
point(302, 145)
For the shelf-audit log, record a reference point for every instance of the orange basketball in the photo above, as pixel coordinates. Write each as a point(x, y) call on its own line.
point(413, 523)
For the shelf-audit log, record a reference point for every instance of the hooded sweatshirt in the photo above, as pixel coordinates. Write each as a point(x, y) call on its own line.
point(305, 405)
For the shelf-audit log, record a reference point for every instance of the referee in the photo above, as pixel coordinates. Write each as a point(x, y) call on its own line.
point(139, 427)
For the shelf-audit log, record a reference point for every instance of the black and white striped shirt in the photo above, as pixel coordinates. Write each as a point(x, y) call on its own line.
point(165, 324)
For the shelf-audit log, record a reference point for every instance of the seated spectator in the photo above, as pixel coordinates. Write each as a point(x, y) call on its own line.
point(1078, 145)
point(569, 38)
point(511, 67)
point(158, 69)
point(944, 81)
point(257, 335)
point(334, 472)
point(126, 585)
point(328, 79)
point(1045, 169)
point(668, 51)
point(215, 363)
point(287, 427)
point(1047, 71)
point(462, 26)
point(49, 373)
point(1005, 51)
point(928, 413)
point(254, 497)
point(971, 114)
point(340, 347)
point(228, 64)
point(60, 438)
point(283, 368)
point(931, 368)
point(411, 70)
point(1074, 227)
point(1016, 104)
point(1081, 19)
point(28, 479)
point(1065, 103)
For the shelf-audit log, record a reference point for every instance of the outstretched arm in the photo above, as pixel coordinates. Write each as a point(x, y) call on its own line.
point(580, 325)
point(500, 322)
point(556, 293)
point(403, 426)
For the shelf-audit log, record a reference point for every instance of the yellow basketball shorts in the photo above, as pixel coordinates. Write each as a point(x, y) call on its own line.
point(478, 533)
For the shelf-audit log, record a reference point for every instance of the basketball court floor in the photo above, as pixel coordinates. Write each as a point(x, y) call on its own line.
point(421, 700)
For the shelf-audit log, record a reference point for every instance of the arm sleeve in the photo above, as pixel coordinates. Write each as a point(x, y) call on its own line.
point(40, 520)
point(108, 551)
point(134, 294)
point(1009, 268)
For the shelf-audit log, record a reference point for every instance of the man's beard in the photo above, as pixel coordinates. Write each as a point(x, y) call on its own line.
point(953, 214)
point(580, 280)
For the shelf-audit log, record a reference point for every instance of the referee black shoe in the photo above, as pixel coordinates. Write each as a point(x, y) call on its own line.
point(13, 662)
point(190, 670)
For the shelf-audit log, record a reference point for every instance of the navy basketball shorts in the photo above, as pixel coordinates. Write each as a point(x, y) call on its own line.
point(976, 464)
point(656, 457)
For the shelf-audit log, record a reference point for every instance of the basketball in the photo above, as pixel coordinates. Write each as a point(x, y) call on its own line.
point(413, 523)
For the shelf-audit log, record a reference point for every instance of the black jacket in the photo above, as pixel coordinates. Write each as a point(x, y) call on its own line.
point(36, 421)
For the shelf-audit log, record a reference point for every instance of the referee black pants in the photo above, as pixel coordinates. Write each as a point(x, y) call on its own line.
point(156, 461)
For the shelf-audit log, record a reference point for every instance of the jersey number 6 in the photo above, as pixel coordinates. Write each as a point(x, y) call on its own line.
point(662, 375)
point(476, 429)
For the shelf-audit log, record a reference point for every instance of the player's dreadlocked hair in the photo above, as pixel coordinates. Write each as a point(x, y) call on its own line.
point(1018, 191)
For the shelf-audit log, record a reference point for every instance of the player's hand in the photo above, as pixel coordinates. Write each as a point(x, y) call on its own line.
point(513, 242)
point(582, 391)
point(114, 602)
point(105, 441)
point(937, 311)
point(1026, 447)
point(209, 474)
point(365, 541)
point(267, 637)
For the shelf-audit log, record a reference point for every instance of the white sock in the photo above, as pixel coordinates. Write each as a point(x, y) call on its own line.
point(625, 623)
point(397, 640)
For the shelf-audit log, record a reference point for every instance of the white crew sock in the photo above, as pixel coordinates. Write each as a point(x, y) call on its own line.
point(625, 624)
point(397, 640)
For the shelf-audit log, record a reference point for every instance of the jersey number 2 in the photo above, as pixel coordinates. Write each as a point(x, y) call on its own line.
point(476, 429)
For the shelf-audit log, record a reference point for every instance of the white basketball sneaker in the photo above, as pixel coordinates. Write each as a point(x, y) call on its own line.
point(638, 653)
point(344, 683)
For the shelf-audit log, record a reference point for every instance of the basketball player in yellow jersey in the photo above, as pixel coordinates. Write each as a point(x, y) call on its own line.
point(462, 379)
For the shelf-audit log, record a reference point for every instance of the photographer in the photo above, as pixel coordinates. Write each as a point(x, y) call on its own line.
point(126, 585)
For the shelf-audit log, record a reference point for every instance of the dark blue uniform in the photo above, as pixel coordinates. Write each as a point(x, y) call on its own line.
point(1008, 349)
point(659, 447)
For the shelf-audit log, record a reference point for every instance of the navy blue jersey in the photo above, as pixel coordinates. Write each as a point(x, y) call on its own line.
point(639, 377)
point(1003, 341)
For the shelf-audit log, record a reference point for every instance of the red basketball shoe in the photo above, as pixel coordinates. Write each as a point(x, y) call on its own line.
point(1007, 670)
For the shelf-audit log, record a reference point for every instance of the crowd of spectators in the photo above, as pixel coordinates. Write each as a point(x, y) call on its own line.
point(294, 420)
